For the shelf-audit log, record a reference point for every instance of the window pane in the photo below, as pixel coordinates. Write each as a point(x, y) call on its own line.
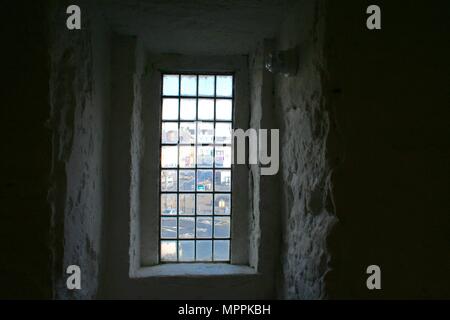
point(223, 157)
point(169, 132)
point(223, 133)
point(170, 109)
point(187, 132)
point(187, 228)
point(204, 250)
point(204, 180)
point(222, 250)
point(205, 109)
point(224, 87)
point(206, 86)
point(222, 204)
point(187, 204)
point(205, 132)
point(188, 109)
point(169, 204)
point(204, 227)
point(224, 109)
point(170, 85)
point(221, 227)
point(204, 204)
point(187, 180)
point(196, 158)
point(168, 180)
point(188, 85)
point(169, 157)
point(168, 251)
point(186, 251)
point(187, 157)
point(223, 180)
point(168, 228)
point(205, 157)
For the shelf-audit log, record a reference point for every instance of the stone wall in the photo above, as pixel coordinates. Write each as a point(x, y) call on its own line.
point(364, 158)
point(365, 151)
point(264, 190)
point(79, 98)
point(307, 138)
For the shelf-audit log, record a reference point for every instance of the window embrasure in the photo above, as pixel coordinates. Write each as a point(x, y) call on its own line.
point(195, 168)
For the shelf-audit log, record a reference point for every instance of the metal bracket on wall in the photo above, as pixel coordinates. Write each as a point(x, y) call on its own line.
point(283, 62)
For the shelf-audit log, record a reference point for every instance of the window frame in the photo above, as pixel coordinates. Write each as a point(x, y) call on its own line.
point(144, 233)
point(196, 168)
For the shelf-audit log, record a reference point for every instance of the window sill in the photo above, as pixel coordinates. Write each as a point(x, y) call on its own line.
point(194, 270)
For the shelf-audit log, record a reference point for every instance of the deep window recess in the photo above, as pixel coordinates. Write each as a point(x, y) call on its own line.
point(196, 173)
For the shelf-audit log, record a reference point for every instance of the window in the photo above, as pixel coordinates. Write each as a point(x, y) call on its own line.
point(195, 168)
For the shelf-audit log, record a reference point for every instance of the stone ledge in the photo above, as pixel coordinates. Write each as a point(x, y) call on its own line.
point(193, 270)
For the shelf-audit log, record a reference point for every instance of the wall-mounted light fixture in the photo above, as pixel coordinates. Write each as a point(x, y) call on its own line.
point(283, 62)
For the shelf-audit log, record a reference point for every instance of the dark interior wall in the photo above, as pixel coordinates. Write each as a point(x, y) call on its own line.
point(115, 266)
point(54, 109)
point(390, 90)
point(383, 94)
point(264, 190)
point(79, 98)
point(307, 145)
point(25, 153)
point(365, 150)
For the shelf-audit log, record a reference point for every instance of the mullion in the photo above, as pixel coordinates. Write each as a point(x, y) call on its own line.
point(196, 146)
point(231, 171)
point(196, 160)
point(196, 96)
point(160, 165)
point(214, 168)
point(193, 145)
point(212, 239)
point(178, 169)
point(200, 216)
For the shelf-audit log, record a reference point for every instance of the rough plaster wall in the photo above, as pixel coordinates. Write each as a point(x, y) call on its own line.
point(137, 150)
point(367, 115)
point(256, 82)
point(115, 266)
point(79, 102)
point(265, 190)
point(305, 124)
